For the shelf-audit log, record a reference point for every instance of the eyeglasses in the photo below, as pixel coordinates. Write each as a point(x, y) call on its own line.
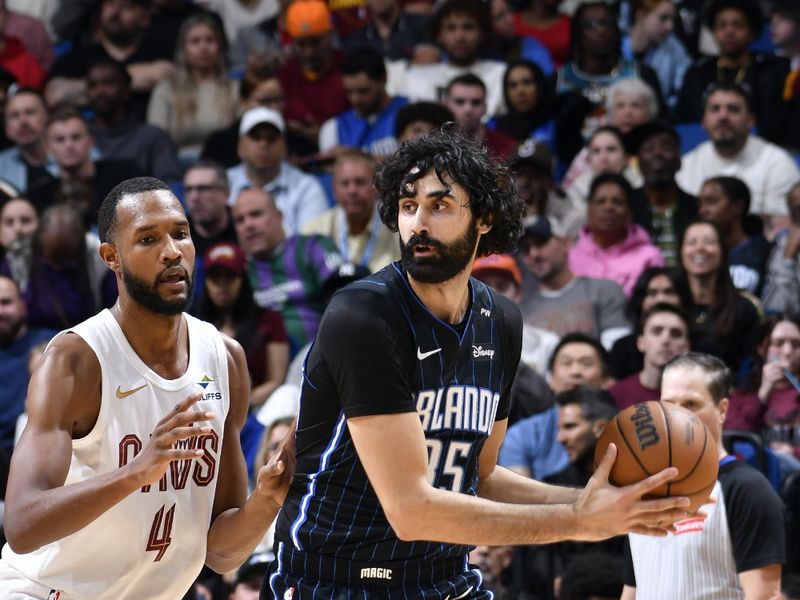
point(202, 188)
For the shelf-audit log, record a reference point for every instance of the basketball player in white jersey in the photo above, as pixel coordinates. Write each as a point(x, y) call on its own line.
point(130, 475)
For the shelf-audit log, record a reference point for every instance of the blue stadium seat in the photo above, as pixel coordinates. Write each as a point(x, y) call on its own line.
point(750, 448)
point(692, 135)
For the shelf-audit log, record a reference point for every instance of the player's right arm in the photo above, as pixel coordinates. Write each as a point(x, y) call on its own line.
point(418, 511)
point(63, 403)
point(369, 359)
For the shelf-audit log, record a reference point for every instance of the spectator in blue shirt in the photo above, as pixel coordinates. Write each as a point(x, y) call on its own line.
point(369, 124)
point(16, 341)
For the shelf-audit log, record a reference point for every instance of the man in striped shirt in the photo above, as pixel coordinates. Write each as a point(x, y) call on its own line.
point(287, 273)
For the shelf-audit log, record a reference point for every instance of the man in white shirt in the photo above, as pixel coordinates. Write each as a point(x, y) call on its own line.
point(262, 150)
point(767, 169)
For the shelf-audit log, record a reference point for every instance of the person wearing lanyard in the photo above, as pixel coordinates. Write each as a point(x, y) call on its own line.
point(353, 224)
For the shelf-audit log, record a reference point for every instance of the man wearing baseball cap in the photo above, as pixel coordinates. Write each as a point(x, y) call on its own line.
point(556, 299)
point(533, 165)
point(262, 150)
point(312, 78)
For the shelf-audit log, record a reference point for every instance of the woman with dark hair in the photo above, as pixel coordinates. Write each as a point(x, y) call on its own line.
point(725, 202)
point(769, 403)
point(227, 302)
point(528, 98)
point(611, 245)
point(607, 154)
point(725, 324)
point(655, 285)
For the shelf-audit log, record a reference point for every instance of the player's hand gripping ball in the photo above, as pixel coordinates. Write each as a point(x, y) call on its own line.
point(651, 436)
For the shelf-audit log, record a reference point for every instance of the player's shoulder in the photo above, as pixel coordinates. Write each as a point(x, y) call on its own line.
point(379, 297)
point(66, 379)
point(487, 302)
point(741, 482)
point(70, 350)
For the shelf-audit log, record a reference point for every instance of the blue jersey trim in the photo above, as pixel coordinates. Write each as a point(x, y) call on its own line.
point(277, 572)
point(301, 517)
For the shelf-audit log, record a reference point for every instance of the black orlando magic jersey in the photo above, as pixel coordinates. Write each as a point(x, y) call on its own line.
point(379, 350)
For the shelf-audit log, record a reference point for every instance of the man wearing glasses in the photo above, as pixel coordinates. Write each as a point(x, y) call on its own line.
point(205, 189)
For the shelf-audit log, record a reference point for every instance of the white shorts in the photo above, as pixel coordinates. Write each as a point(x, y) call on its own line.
point(15, 586)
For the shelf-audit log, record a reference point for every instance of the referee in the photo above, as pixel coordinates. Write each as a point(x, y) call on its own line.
point(404, 406)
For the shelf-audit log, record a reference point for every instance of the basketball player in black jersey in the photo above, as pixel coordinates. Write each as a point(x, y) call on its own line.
point(404, 405)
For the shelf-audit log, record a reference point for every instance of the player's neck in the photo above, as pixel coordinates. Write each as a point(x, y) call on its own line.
point(161, 341)
point(448, 300)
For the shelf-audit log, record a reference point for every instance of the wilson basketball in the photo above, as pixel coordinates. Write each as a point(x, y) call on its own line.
point(651, 436)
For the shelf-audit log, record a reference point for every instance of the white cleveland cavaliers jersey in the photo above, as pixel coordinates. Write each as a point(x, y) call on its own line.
point(152, 544)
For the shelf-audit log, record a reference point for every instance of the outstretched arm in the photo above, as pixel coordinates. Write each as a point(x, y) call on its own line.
point(238, 522)
point(64, 402)
point(505, 485)
point(418, 511)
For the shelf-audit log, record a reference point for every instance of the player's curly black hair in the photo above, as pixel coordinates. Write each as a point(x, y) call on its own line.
point(490, 186)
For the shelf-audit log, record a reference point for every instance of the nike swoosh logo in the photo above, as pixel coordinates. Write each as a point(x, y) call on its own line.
point(464, 595)
point(423, 355)
point(121, 394)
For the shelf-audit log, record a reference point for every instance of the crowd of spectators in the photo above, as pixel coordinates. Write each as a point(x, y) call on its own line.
point(655, 143)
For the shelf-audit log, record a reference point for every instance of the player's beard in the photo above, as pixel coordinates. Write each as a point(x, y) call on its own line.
point(448, 262)
point(146, 294)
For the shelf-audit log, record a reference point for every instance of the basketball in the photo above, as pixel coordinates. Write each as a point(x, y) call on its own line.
point(651, 436)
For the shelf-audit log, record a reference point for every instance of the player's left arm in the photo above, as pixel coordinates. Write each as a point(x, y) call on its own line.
point(504, 485)
point(757, 526)
point(238, 522)
point(763, 583)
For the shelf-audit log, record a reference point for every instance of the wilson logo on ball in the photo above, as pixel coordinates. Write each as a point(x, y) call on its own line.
point(646, 431)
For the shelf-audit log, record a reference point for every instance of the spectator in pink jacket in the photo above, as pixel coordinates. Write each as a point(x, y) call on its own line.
point(611, 245)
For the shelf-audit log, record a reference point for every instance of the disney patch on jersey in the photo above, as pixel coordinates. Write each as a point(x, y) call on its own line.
point(54, 595)
point(288, 594)
point(482, 352)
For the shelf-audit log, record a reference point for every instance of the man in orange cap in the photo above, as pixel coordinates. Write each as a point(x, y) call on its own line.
point(312, 78)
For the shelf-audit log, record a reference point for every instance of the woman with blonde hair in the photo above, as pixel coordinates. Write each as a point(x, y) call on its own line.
point(199, 97)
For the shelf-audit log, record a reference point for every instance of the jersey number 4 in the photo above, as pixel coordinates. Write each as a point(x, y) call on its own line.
point(161, 532)
point(447, 463)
